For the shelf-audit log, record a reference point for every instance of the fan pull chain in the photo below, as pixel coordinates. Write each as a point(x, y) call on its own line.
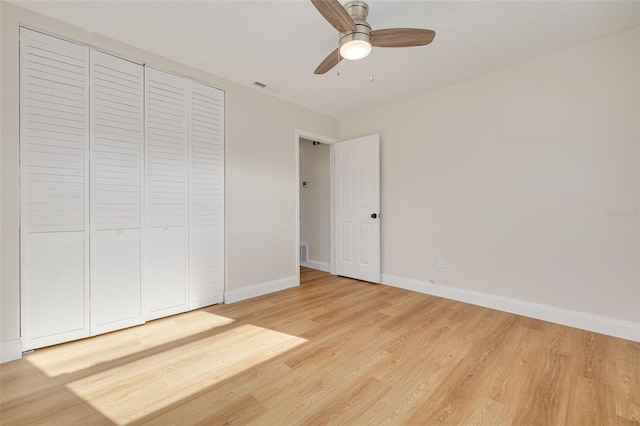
point(371, 69)
point(339, 59)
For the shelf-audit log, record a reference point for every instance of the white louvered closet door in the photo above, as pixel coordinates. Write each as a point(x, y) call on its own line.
point(54, 141)
point(167, 186)
point(206, 202)
point(117, 144)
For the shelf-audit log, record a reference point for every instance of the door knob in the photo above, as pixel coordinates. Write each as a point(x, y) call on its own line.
point(374, 215)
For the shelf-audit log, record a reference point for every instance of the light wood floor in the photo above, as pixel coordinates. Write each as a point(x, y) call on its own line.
point(334, 351)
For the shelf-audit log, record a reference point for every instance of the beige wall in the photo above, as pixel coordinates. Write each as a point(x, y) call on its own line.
point(510, 176)
point(260, 167)
point(315, 199)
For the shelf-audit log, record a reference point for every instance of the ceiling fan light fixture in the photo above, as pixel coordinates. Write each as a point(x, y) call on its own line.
point(356, 45)
point(356, 38)
point(355, 49)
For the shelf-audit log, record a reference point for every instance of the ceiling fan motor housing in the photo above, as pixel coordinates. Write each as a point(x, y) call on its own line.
point(358, 10)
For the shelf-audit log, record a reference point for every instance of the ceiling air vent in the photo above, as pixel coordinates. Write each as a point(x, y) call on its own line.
point(266, 87)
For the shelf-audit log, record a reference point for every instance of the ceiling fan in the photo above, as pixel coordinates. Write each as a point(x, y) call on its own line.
point(356, 35)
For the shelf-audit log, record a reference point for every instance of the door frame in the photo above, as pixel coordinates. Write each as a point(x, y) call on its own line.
point(329, 141)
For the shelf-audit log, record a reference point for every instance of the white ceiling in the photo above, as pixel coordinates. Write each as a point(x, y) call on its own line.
point(280, 43)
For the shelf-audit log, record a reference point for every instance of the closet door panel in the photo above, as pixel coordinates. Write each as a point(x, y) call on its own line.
point(54, 162)
point(53, 289)
point(206, 208)
point(167, 192)
point(117, 143)
point(167, 270)
point(115, 280)
point(54, 135)
point(206, 273)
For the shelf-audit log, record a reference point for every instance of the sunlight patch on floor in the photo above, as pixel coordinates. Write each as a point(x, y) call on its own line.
point(88, 353)
point(122, 393)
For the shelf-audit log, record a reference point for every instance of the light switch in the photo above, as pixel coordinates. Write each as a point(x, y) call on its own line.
point(442, 265)
point(290, 203)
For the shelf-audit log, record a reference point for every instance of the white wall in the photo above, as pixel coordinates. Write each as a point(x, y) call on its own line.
point(315, 201)
point(511, 176)
point(260, 172)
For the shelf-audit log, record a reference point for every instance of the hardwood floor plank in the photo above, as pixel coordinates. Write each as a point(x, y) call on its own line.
point(625, 380)
point(491, 413)
point(332, 351)
point(349, 406)
point(586, 406)
point(447, 400)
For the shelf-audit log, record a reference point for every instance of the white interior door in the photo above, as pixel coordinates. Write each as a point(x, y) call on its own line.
point(167, 137)
point(117, 136)
point(357, 208)
point(54, 164)
point(206, 196)
point(122, 183)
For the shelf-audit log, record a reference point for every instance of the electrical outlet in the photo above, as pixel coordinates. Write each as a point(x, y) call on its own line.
point(442, 265)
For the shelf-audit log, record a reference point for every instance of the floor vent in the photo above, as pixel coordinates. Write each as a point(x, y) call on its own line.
point(304, 251)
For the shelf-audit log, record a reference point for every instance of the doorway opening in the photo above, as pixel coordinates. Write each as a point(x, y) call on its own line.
point(314, 201)
point(354, 181)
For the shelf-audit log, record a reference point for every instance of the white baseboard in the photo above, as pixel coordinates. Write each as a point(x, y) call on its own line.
point(314, 264)
point(260, 289)
point(10, 351)
point(604, 325)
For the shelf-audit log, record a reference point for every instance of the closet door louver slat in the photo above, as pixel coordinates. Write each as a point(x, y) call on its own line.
point(167, 185)
point(206, 209)
point(117, 136)
point(54, 138)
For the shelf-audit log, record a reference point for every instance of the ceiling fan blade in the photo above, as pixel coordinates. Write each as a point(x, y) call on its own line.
point(337, 15)
point(401, 37)
point(329, 62)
